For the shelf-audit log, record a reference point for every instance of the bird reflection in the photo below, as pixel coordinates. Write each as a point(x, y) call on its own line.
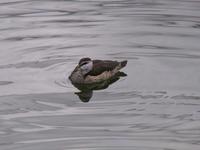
point(86, 90)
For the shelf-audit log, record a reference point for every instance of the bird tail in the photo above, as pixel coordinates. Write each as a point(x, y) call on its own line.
point(123, 63)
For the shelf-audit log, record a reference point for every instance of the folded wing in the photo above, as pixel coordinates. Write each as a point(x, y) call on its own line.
point(100, 66)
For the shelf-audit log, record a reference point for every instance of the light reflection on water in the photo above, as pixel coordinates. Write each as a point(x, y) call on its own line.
point(155, 107)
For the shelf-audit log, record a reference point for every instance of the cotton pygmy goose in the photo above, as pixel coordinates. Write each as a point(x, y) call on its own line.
point(90, 71)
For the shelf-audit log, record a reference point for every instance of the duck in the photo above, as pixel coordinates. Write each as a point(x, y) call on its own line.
point(90, 71)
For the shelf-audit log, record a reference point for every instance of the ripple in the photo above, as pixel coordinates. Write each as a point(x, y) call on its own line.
point(157, 54)
point(182, 96)
point(64, 111)
point(35, 64)
point(34, 37)
point(36, 128)
point(6, 82)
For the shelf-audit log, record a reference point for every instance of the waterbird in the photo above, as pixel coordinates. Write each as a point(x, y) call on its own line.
point(90, 71)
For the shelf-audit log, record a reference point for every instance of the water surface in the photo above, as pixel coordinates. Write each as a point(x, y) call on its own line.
point(156, 107)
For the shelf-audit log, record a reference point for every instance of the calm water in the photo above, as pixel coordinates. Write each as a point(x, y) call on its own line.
point(156, 107)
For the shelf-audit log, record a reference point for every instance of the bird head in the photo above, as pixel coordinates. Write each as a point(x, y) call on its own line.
point(85, 64)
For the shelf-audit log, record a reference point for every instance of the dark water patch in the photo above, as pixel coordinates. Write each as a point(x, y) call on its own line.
point(61, 57)
point(6, 82)
point(154, 47)
point(19, 15)
point(150, 96)
point(161, 92)
point(76, 46)
point(48, 13)
point(184, 116)
point(163, 19)
point(34, 37)
point(6, 143)
point(86, 25)
point(36, 49)
point(128, 4)
point(197, 26)
point(13, 2)
point(71, 21)
point(168, 18)
point(186, 97)
point(126, 57)
point(188, 103)
point(180, 24)
point(56, 12)
point(160, 34)
point(11, 28)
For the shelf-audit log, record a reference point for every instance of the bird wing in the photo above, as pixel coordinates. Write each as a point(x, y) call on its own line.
point(100, 66)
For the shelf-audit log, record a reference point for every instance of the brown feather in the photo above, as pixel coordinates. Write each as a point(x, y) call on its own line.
point(100, 66)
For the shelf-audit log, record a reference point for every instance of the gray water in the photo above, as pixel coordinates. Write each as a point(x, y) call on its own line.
point(156, 107)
